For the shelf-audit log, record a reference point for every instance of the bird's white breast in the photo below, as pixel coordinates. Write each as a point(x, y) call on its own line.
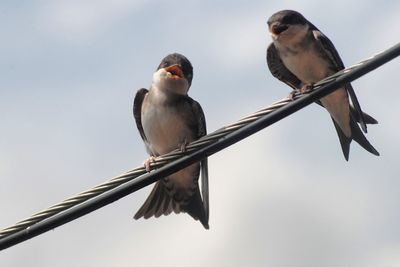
point(163, 126)
point(307, 65)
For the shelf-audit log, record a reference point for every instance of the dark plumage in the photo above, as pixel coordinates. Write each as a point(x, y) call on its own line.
point(167, 118)
point(303, 47)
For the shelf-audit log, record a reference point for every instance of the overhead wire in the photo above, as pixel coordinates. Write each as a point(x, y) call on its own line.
point(133, 180)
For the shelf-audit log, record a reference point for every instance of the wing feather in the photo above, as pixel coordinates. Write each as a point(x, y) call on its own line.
point(279, 70)
point(330, 50)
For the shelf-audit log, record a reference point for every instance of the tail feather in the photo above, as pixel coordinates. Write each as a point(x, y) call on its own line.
point(151, 206)
point(356, 135)
point(195, 208)
point(367, 118)
point(344, 140)
point(167, 208)
point(360, 138)
point(159, 202)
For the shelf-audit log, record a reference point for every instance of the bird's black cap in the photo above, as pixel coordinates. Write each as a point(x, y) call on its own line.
point(289, 17)
point(182, 61)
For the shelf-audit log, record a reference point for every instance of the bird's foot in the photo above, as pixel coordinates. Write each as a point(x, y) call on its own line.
point(183, 146)
point(305, 89)
point(148, 161)
point(291, 95)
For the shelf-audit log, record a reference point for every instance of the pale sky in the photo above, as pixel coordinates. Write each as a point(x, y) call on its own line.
point(283, 197)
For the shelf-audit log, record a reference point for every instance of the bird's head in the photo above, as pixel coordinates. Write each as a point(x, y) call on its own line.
point(288, 25)
point(174, 73)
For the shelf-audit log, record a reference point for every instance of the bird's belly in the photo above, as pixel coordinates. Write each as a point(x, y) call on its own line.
point(310, 68)
point(307, 66)
point(165, 130)
point(337, 104)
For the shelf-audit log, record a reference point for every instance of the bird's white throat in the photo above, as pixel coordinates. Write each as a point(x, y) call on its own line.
point(163, 80)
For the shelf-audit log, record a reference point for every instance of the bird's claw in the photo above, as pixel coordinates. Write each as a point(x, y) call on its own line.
point(147, 163)
point(303, 90)
point(183, 146)
point(306, 89)
point(291, 95)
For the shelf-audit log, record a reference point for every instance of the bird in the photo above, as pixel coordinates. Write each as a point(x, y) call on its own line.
point(167, 119)
point(301, 55)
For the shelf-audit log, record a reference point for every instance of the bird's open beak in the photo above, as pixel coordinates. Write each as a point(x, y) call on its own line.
point(176, 71)
point(277, 28)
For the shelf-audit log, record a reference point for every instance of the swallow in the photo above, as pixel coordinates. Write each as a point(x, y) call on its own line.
point(301, 55)
point(167, 119)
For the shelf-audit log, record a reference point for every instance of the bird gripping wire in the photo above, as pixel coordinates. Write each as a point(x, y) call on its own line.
point(131, 181)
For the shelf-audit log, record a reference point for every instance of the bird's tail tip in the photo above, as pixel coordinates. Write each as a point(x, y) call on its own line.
point(159, 202)
point(196, 209)
point(360, 138)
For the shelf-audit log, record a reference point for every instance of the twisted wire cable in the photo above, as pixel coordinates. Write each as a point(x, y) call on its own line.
point(107, 192)
point(132, 174)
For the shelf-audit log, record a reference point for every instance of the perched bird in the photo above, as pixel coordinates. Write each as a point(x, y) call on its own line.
point(301, 55)
point(167, 119)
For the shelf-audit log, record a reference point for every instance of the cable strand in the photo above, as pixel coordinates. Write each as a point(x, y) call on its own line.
point(137, 178)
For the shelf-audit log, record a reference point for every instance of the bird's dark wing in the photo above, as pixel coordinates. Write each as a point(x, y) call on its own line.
point(357, 107)
point(279, 70)
point(201, 131)
point(330, 50)
point(137, 111)
point(201, 120)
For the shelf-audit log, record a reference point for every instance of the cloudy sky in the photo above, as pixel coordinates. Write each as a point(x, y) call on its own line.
point(283, 197)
